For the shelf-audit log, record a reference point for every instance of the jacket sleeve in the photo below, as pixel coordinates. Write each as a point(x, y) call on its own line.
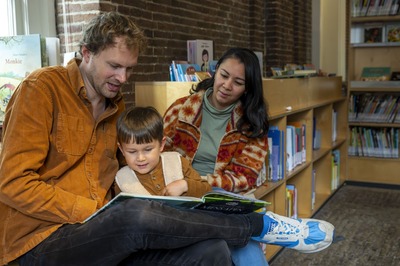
point(239, 173)
point(197, 186)
point(26, 147)
point(170, 120)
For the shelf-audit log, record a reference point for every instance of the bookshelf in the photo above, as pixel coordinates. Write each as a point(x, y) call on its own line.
point(308, 101)
point(367, 124)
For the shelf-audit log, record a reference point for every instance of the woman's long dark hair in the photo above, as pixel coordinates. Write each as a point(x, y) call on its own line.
point(255, 109)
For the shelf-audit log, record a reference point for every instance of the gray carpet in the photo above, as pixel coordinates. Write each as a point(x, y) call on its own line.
point(367, 222)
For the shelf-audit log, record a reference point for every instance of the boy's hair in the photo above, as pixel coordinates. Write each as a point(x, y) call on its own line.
point(101, 31)
point(140, 125)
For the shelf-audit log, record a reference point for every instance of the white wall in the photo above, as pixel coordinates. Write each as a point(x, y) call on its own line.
point(329, 36)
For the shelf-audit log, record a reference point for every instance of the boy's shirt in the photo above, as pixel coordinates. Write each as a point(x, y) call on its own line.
point(176, 167)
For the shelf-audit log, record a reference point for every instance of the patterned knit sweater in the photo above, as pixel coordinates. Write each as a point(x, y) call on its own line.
point(239, 158)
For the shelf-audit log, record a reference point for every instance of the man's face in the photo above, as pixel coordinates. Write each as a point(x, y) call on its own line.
point(104, 73)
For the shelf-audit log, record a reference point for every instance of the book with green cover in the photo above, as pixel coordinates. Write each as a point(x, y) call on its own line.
point(216, 200)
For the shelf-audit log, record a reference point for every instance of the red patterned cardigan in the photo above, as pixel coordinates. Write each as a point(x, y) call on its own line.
point(239, 159)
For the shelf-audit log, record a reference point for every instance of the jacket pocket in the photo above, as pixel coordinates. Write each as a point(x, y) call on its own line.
point(70, 137)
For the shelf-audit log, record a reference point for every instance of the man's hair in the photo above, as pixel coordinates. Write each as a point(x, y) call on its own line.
point(102, 30)
point(140, 125)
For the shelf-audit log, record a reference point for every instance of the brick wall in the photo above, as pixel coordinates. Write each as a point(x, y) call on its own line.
point(261, 25)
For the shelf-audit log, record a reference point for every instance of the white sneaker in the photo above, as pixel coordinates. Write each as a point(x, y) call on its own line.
point(303, 235)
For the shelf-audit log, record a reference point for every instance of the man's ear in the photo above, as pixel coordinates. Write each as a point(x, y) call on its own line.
point(85, 53)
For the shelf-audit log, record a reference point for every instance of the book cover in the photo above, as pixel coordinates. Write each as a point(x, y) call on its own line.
point(374, 34)
point(393, 33)
point(376, 73)
point(200, 52)
point(216, 200)
point(20, 55)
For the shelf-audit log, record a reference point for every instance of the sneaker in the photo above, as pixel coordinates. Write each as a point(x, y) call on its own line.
point(303, 235)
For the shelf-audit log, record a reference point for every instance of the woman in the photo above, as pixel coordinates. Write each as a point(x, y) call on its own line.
point(222, 129)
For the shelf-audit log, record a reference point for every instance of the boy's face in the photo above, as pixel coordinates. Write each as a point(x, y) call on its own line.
point(142, 158)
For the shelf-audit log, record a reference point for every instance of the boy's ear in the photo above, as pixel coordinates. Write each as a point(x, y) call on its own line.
point(120, 148)
point(163, 141)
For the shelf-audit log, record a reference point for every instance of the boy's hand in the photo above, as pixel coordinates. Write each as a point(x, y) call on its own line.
point(176, 188)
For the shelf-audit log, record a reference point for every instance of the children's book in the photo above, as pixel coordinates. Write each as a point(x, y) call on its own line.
point(218, 201)
point(20, 55)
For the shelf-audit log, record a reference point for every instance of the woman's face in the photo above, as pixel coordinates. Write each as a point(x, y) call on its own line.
point(229, 84)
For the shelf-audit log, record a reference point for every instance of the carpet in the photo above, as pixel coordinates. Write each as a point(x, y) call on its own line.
point(367, 223)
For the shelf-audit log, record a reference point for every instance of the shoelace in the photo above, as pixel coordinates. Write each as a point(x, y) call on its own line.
point(282, 227)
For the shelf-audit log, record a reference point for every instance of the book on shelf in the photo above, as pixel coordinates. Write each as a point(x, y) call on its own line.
point(373, 7)
point(313, 193)
point(394, 9)
point(202, 75)
point(277, 153)
point(375, 73)
point(200, 52)
point(335, 181)
point(216, 200)
point(385, 7)
point(291, 200)
point(374, 33)
point(20, 55)
point(393, 32)
point(364, 7)
point(355, 8)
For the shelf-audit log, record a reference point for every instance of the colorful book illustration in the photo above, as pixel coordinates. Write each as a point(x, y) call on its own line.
point(20, 55)
point(218, 201)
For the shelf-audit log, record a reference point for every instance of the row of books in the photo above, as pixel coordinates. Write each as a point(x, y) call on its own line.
point(374, 107)
point(183, 71)
point(374, 142)
point(374, 8)
point(295, 145)
point(375, 33)
point(276, 154)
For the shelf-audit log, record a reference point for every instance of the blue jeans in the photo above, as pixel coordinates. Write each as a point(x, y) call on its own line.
point(141, 232)
point(251, 254)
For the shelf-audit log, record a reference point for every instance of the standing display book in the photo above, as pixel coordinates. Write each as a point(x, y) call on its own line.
point(219, 201)
point(20, 55)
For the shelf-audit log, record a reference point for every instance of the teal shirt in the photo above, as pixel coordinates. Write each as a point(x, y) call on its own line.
point(213, 127)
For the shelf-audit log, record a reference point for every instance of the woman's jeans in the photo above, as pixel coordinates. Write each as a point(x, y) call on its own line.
point(141, 232)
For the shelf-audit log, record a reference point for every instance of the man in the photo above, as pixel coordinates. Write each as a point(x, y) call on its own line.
point(59, 161)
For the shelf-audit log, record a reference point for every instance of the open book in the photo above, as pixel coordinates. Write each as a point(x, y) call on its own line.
point(220, 201)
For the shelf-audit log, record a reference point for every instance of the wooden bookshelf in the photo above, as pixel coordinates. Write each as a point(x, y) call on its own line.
point(289, 100)
point(370, 168)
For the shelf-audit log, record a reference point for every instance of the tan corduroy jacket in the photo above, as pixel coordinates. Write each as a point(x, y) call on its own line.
point(57, 164)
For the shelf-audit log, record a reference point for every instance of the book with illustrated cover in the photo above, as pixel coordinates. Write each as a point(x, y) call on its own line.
point(218, 200)
point(374, 34)
point(393, 33)
point(20, 55)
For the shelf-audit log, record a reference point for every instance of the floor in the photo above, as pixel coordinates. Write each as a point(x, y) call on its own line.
point(367, 226)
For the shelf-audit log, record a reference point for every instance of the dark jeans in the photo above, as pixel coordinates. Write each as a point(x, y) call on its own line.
point(141, 232)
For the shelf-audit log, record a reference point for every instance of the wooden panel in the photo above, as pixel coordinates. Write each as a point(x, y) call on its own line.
point(160, 94)
point(374, 170)
point(298, 94)
point(374, 57)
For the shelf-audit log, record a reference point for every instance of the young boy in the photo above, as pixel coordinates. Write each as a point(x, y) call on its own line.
point(149, 170)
